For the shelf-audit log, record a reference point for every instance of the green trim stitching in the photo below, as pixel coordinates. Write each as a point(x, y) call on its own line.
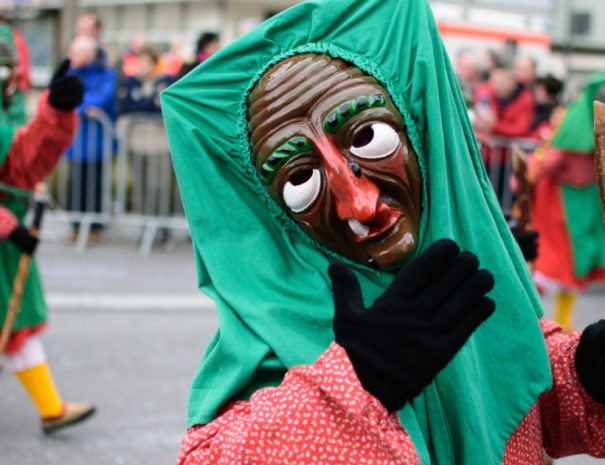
point(277, 159)
point(346, 110)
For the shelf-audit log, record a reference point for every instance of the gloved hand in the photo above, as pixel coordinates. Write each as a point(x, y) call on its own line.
point(528, 243)
point(23, 240)
point(66, 92)
point(590, 361)
point(413, 330)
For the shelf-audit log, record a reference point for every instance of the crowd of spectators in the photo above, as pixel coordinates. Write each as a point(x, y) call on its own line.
point(128, 86)
point(507, 100)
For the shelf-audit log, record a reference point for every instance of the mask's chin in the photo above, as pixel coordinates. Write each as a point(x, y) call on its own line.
point(391, 260)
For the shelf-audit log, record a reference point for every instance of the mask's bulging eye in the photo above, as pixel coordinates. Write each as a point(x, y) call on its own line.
point(5, 73)
point(302, 189)
point(379, 140)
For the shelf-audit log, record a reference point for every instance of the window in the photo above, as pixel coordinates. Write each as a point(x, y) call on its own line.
point(580, 23)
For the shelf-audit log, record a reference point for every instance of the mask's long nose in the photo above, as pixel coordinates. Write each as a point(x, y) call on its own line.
point(356, 197)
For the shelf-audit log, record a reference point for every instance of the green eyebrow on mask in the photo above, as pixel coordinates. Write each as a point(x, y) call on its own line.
point(346, 110)
point(279, 157)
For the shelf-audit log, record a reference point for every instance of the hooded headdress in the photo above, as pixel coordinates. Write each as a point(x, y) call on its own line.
point(269, 279)
point(576, 132)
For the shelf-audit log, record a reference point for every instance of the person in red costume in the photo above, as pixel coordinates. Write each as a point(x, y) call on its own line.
point(373, 306)
point(28, 155)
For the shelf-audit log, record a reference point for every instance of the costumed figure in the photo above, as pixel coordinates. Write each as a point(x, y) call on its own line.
point(27, 156)
point(14, 88)
point(344, 224)
point(566, 207)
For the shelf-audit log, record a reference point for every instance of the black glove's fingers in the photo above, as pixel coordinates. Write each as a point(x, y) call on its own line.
point(594, 334)
point(23, 240)
point(463, 300)
point(73, 86)
point(528, 238)
point(67, 93)
point(444, 285)
point(70, 83)
point(466, 326)
point(528, 243)
point(590, 361)
point(419, 272)
point(61, 71)
point(348, 299)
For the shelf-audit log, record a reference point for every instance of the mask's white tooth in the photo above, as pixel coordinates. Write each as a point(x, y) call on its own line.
point(358, 228)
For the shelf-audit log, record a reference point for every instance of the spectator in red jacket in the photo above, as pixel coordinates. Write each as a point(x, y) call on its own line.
point(505, 108)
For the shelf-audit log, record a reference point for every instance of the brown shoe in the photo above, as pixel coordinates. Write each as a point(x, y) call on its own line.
point(94, 238)
point(74, 413)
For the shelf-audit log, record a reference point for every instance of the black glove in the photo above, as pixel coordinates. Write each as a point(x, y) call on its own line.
point(66, 92)
point(415, 328)
point(23, 240)
point(590, 361)
point(528, 243)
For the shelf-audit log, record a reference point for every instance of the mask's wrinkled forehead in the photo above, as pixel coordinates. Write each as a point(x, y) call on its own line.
point(297, 84)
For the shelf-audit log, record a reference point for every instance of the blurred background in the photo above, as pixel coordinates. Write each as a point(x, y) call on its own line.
point(567, 37)
point(128, 327)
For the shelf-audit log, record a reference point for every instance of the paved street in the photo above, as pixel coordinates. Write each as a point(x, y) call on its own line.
point(127, 333)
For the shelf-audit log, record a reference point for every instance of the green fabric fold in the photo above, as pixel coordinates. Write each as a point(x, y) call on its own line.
point(576, 132)
point(269, 279)
point(6, 139)
point(586, 231)
point(33, 306)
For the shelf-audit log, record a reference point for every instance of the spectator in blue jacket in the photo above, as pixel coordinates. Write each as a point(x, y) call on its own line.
point(141, 93)
point(94, 143)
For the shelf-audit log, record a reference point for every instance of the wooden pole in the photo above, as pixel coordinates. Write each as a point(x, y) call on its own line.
point(523, 194)
point(25, 262)
point(599, 149)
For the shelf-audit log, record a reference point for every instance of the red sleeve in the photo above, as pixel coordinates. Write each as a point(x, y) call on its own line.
point(8, 223)
point(554, 160)
point(573, 423)
point(319, 414)
point(37, 147)
point(517, 119)
point(23, 57)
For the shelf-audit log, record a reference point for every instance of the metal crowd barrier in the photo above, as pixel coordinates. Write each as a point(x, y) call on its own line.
point(118, 175)
point(147, 194)
point(498, 160)
point(135, 184)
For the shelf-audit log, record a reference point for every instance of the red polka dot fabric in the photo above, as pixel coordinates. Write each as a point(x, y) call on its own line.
point(321, 415)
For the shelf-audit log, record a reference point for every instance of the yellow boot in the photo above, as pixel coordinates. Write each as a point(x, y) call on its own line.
point(55, 413)
point(565, 302)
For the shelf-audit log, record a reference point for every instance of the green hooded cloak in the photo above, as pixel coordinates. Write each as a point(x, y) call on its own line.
point(576, 132)
point(269, 279)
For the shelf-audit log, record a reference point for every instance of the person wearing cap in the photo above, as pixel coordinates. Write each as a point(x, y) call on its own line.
point(373, 304)
point(28, 154)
